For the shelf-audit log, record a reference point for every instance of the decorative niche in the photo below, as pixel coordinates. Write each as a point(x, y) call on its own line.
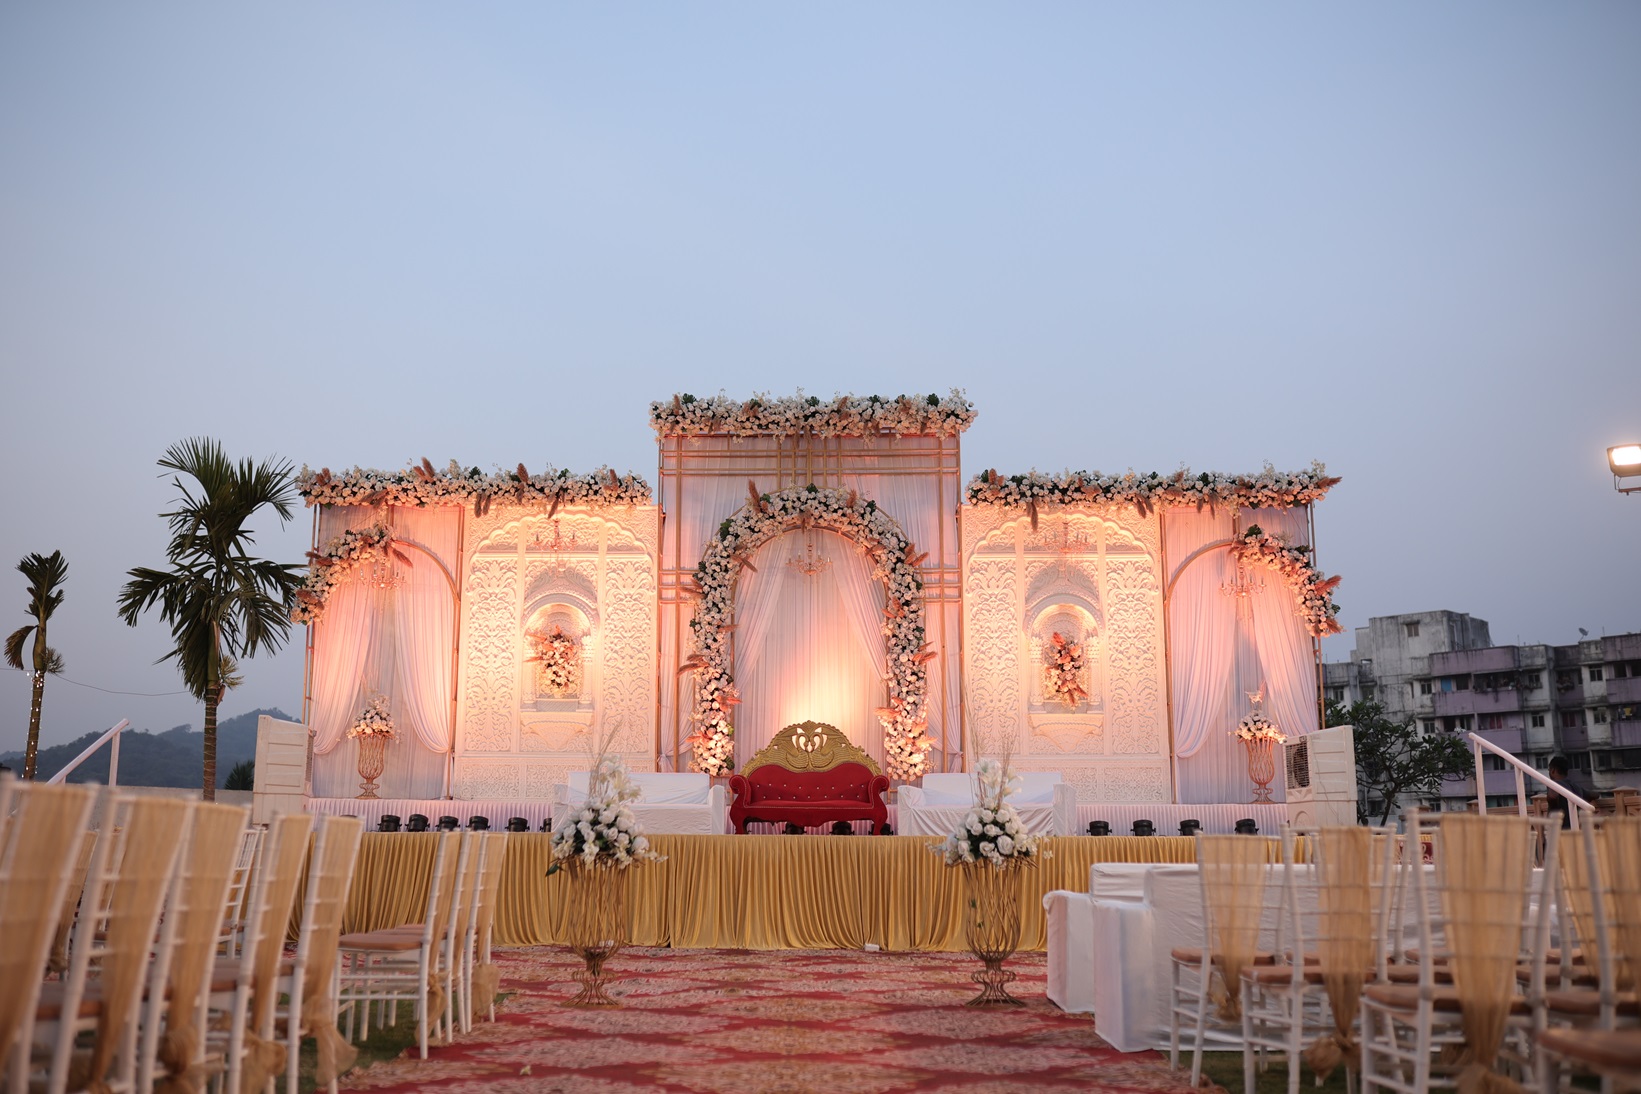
point(1066, 707)
point(559, 664)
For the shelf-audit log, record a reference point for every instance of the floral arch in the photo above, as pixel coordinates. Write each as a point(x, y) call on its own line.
point(894, 562)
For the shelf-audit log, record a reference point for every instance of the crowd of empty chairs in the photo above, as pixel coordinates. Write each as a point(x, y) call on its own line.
point(1471, 951)
point(152, 941)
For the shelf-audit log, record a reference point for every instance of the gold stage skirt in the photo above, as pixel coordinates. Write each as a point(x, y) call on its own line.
point(752, 892)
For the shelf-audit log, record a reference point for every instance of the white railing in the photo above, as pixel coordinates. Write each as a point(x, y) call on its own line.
point(1522, 771)
point(110, 738)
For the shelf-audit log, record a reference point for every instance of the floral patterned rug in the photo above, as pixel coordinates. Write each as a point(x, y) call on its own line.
point(698, 1021)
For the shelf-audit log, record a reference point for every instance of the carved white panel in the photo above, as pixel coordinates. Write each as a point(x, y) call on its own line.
point(1078, 734)
point(492, 653)
point(993, 669)
point(1135, 783)
point(1134, 682)
point(627, 683)
point(489, 779)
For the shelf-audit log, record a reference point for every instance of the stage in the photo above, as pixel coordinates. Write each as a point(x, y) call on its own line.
point(753, 892)
point(1121, 816)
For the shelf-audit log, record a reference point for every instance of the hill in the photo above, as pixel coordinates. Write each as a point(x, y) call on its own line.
point(172, 758)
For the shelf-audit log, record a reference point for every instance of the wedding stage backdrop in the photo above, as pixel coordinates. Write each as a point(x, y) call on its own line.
point(807, 559)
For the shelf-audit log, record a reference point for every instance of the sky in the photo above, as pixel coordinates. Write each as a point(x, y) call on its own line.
point(1401, 238)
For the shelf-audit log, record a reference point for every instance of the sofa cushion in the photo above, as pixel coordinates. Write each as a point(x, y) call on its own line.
point(844, 783)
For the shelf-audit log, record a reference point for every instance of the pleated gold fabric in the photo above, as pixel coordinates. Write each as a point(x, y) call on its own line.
point(752, 892)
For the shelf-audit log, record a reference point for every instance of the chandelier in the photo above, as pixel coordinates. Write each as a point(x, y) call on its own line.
point(1069, 546)
point(559, 547)
point(383, 575)
point(1242, 585)
point(809, 563)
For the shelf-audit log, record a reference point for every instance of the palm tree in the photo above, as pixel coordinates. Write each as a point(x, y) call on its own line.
point(45, 574)
point(221, 603)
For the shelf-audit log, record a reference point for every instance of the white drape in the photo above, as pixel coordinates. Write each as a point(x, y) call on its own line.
point(1202, 629)
point(343, 650)
point(799, 650)
point(425, 622)
point(1287, 659)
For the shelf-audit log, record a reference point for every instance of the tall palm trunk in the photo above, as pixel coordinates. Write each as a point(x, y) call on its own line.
point(210, 776)
point(31, 752)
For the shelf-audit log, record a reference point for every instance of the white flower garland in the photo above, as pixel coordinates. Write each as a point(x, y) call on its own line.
point(1254, 726)
point(842, 416)
point(603, 832)
point(376, 720)
point(1313, 593)
point(559, 657)
point(1063, 671)
point(1270, 489)
point(991, 831)
point(420, 484)
point(332, 565)
point(906, 740)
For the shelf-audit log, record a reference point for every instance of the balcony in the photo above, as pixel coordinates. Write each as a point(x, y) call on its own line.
point(1627, 734)
point(1627, 690)
point(1502, 701)
point(1575, 739)
point(1458, 662)
point(1507, 739)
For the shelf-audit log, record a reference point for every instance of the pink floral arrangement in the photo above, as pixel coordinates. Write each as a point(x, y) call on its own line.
point(1063, 671)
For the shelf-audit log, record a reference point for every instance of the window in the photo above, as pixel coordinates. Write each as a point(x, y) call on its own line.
point(1490, 762)
point(1429, 726)
point(1462, 682)
point(1367, 691)
point(1529, 681)
point(1490, 721)
point(1566, 681)
point(1412, 629)
point(1595, 674)
point(1336, 694)
point(1537, 721)
point(1603, 760)
point(1447, 683)
point(1572, 719)
point(1600, 716)
point(1424, 687)
point(1620, 670)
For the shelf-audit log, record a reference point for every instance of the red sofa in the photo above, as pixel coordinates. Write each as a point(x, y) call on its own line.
point(809, 775)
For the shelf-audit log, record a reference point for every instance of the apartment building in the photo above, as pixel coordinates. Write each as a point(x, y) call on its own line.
point(1533, 701)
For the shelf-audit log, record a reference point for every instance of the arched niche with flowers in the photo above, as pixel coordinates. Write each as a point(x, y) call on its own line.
point(560, 636)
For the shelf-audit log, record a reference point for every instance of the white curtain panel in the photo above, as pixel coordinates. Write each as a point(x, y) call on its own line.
point(798, 651)
point(1202, 624)
point(914, 502)
point(1287, 659)
point(425, 619)
point(694, 520)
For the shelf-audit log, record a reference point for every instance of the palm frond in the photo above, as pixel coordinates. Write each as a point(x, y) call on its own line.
point(14, 646)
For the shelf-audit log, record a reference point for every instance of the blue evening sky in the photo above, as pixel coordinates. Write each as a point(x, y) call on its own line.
point(1403, 238)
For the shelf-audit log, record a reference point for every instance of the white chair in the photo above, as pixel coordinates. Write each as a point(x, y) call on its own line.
point(41, 829)
point(1047, 805)
point(127, 886)
point(232, 931)
point(483, 977)
point(1494, 915)
point(307, 987)
point(669, 802)
point(394, 965)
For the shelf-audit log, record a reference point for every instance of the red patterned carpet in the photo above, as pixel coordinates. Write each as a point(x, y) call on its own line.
point(697, 1021)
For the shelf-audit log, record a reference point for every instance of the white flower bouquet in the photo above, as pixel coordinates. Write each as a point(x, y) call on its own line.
point(558, 657)
point(1254, 726)
point(376, 720)
point(603, 832)
point(991, 832)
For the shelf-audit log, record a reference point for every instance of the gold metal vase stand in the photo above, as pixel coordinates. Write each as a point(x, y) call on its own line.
point(372, 761)
point(991, 926)
point(1261, 767)
point(595, 925)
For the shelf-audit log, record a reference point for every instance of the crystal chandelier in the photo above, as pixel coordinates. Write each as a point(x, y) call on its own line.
point(383, 575)
point(1242, 585)
point(1069, 546)
point(809, 563)
point(559, 547)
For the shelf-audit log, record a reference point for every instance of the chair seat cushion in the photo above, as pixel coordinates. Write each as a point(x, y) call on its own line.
point(1442, 998)
point(387, 941)
point(1614, 1050)
point(1185, 955)
point(50, 1006)
point(1588, 1003)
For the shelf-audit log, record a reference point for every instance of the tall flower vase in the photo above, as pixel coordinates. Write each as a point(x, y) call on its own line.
point(372, 760)
point(991, 926)
point(1261, 767)
point(595, 926)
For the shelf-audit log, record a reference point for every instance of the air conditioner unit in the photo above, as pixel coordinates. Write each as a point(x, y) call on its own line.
point(1321, 770)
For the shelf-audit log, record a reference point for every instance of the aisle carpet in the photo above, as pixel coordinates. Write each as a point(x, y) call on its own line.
point(702, 1021)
